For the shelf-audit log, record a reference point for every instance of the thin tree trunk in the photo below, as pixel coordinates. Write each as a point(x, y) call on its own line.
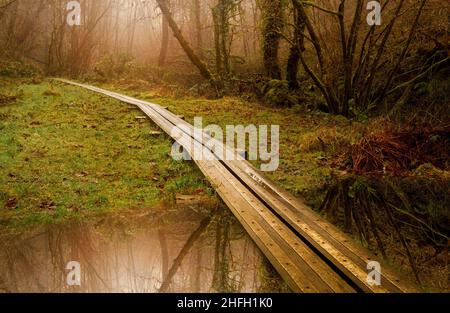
point(197, 23)
point(184, 251)
point(294, 56)
point(272, 25)
point(218, 52)
point(164, 42)
point(133, 27)
point(224, 29)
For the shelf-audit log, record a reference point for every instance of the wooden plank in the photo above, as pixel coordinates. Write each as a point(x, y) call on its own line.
point(299, 276)
point(349, 258)
point(302, 269)
point(346, 255)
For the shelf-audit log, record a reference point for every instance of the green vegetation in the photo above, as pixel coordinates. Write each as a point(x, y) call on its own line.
point(315, 151)
point(307, 138)
point(67, 153)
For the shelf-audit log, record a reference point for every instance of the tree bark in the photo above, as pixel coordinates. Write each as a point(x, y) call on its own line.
point(294, 55)
point(272, 26)
point(218, 52)
point(197, 24)
point(164, 42)
point(224, 29)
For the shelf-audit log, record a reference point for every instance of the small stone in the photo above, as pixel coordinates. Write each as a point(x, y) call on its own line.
point(81, 174)
point(155, 133)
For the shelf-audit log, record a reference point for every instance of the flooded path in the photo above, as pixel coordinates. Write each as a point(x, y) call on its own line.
point(175, 250)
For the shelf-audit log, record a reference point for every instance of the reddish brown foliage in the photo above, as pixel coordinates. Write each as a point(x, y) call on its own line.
point(398, 151)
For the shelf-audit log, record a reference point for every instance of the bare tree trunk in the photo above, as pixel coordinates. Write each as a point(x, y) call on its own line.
point(116, 30)
point(197, 24)
point(164, 42)
point(349, 52)
point(135, 5)
point(218, 51)
point(243, 25)
point(224, 29)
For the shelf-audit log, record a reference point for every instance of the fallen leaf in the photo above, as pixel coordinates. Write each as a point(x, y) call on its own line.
point(11, 204)
point(48, 205)
point(82, 174)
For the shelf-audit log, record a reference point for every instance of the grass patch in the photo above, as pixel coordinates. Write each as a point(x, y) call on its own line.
point(68, 153)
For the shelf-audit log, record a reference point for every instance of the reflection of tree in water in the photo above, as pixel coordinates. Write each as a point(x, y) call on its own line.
point(20, 267)
point(39, 263)
point(164, 253)
point(55, 250)
point(226, 275)
point(78, 243)
point(221, 266)
point(235, 256)
point(183, 253)
point(176, 251)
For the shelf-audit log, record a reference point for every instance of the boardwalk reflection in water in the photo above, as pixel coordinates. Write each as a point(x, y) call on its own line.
point(175, 251)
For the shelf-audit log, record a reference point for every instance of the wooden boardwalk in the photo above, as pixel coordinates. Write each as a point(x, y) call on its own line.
point(309, 253)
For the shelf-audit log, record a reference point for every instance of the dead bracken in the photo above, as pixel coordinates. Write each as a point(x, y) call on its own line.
point(398, 150)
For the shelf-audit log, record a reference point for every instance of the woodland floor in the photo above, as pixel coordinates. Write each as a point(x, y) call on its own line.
point(66, 153)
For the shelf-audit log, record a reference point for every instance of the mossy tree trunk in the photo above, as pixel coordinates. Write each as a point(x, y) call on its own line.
point(221, 16)
point(218, 52)
point(197, 25)
point(297, 47)
point(272, 11)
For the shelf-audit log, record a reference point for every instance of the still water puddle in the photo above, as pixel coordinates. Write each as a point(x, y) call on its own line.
point(178, 250)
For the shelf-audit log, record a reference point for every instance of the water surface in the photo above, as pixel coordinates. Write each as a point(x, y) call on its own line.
point(174, 250)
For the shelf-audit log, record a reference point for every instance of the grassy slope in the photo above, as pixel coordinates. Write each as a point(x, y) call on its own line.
point(67, 153)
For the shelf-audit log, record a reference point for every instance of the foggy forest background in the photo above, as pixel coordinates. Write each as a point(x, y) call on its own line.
point(240, 45)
